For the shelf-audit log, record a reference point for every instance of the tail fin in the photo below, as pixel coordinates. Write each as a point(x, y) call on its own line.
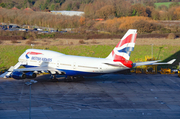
point(123, 49)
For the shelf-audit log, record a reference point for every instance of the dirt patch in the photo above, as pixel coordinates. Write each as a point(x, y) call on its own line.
point(158, 41)
point(62, 42)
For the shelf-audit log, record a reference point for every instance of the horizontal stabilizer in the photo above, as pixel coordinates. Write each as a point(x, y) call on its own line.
point(170, 62)
point(152, 63)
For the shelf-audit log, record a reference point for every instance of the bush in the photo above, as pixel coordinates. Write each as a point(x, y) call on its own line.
point(45, 35)
point(171, 36)
point(33, 34)
point(145, 26)
point(81, 42)
point(155, 15)
point(94, 41)
point(71, 43)
point(14, 41)
point(156, 32)
point(31, 38)
point(29, 42)
point(165, 30)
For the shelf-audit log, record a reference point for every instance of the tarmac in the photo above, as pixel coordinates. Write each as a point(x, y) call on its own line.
point(113, 96)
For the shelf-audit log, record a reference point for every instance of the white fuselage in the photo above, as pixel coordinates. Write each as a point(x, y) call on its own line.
point(70, 64)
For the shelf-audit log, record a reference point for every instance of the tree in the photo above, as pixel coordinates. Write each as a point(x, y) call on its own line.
point(138, 10)
point(89, 11)
point(171, 15)
point(163, 7)
point(76, 5)
point(82, 20)
point(149, 10)
point(163, 15)
point(155, 15)
point(38, 4)
point(122, 7)
point(52, 6)
point(106, 11)
point(112, 25)
point(174, 4)
point(69, 6)
point(149, 3)
point(177, 12)
point(145, 26)
point(45, 5)
point(2, 4)
point(87, 1)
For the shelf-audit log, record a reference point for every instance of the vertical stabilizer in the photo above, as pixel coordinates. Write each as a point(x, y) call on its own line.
point(123, 49)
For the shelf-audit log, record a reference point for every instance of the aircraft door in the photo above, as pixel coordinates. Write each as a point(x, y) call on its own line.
point(100, 68)
point(58, 63)
point(74, 65)
point(39, 63)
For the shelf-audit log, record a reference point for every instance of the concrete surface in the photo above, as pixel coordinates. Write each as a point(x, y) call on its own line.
point(114, 96)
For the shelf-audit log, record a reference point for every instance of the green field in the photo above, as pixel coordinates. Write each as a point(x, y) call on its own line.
point(163, 3)
point(9, 54)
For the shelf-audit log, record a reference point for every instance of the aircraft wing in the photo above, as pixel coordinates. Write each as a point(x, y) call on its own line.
point(40, 69)
point(153, 63)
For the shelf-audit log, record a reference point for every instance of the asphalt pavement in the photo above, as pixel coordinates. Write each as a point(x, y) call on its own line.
point(113, 96)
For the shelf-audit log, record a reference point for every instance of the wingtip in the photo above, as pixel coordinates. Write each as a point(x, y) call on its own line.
point(171, 61)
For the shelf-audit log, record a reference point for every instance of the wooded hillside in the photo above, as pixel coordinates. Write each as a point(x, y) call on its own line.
point(67, 4)
point(116, 15)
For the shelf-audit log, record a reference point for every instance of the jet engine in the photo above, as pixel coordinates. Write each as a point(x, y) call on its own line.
point(30, 75)
point(18, 75)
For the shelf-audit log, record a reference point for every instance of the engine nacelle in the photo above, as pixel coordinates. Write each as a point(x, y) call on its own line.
point(18, 75)
point(30, 75)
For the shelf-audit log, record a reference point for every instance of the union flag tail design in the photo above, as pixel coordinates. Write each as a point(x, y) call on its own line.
point(123, 49)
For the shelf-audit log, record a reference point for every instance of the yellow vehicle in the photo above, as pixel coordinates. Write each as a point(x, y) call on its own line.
point(147, 69)
point(166, 71)
point(139, 69)
point(150, 69)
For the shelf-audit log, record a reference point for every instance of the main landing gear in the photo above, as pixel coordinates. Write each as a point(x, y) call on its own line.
point(53, 78)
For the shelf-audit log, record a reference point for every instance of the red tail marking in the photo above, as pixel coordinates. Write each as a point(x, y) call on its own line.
point(117, 58)
point(121, 59)
point(126, 40)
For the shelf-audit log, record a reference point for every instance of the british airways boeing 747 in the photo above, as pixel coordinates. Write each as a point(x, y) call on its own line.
point(36, 61)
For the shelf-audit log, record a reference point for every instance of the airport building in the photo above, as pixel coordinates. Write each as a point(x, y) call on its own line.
point(69, 13)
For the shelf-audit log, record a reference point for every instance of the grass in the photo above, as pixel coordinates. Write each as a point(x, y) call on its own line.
point(163, 3)
point(9, 54)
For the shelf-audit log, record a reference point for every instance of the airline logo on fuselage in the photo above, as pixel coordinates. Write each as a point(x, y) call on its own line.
point(38, 58)
point(32, 53)
point(42, 59)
